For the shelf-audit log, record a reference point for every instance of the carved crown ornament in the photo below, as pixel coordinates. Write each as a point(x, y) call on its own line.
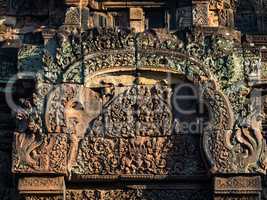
point(81, 123)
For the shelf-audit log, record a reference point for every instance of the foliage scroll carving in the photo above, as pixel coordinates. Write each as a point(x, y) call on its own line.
point(58, 119)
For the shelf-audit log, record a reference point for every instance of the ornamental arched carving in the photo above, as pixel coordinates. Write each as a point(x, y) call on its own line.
point(130, 126)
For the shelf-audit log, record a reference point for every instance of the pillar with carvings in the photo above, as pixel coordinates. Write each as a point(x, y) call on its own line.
point(213, 13)
point(77, 15)
point(216, 17)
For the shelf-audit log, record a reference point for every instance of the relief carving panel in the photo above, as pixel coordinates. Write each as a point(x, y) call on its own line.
point(138, 194)
point(133, 127)
point(134, 135)
point(48, 154)
point(43, 197)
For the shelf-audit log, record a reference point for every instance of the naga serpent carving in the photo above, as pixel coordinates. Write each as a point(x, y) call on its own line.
point(128, 131)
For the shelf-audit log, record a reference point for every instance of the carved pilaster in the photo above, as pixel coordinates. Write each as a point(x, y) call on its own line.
point(200, 13)
point(184, 17)
point(237, 187)
point(76, 18)
point(252, 64)
point(137, 19)
point(35, 188)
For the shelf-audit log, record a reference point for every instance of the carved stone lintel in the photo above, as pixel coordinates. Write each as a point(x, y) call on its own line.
point(32, 188)
point(41, 184)
point(135, 132)
point(237, 187)
point(138, 192)
point(43, 197)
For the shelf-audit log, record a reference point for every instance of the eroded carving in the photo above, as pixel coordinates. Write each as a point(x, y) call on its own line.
point(138, 194)
point(144, 118)
point(44, 155)
point(243, 187)
point(133, 136)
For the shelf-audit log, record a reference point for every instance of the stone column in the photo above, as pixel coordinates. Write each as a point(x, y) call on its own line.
point(237, 187)
point(50, 188)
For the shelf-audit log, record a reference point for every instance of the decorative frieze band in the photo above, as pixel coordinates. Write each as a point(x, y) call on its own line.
point(237, 187)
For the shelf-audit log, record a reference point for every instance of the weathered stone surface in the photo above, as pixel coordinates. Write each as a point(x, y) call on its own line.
point(139, 194)
point(240, 187)
point(222, 119)
point(106, 116)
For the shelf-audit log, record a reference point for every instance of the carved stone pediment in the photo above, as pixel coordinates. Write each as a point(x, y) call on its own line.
point(102, 109)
